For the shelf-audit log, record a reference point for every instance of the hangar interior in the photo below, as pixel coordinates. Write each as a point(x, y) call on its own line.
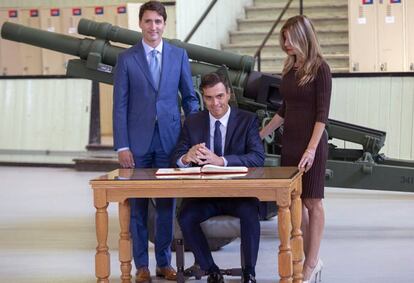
point(53, 123)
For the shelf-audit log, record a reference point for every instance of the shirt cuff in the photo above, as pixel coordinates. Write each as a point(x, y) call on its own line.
point(181, 164)
point(122, 149)
point(225, 161)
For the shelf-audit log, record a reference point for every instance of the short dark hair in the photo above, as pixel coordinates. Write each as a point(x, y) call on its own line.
point(153, 6)
point(211, 79)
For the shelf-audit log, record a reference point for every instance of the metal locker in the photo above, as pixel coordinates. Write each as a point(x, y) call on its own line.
point(96, 13)
point(133, 16)
point(362, 36)
point(390, 36)
point(117, 15)
point(409, 35)
point(70, 18)
point(10, 51)
point(31, 55)
point(53, 62)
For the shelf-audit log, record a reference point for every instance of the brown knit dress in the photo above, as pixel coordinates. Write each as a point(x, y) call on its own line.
point(302, 107)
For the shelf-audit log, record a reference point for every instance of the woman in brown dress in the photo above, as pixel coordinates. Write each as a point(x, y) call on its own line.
point(306, 90)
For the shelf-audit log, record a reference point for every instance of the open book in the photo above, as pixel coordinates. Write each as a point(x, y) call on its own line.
point(215, 176)
point(206, 169)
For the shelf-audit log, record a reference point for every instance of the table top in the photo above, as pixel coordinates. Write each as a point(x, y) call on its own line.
point(148, 174)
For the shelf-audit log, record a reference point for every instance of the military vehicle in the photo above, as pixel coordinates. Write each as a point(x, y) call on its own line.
point(258, 92)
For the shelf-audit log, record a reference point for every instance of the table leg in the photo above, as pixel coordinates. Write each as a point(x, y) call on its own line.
point(102, 261)
point(125, 252)
point(296, 239)
point(285, 254)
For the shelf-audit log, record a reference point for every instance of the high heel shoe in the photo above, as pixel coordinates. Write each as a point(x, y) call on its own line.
point(316, 275)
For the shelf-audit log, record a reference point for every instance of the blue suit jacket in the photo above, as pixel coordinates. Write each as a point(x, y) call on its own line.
point(243, 146)
point(138, 104)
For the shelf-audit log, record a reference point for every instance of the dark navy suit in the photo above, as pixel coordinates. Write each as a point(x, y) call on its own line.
point(243, 147)
point(147, 121)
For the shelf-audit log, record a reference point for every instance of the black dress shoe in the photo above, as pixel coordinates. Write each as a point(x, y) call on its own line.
point(248, 278)
point(195, 271)
point(215, 277)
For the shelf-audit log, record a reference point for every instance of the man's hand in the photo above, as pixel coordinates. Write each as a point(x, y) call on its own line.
point(208, 157)
point(193, 154)
point(126, 159)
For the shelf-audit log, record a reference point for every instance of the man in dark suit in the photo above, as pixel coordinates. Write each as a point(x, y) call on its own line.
point(222, 136)
point(147, 125)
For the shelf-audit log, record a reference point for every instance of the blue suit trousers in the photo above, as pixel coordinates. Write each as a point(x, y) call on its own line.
point(165, 211)
point(195, 211)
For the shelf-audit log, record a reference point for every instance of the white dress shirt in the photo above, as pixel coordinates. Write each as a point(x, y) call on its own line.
point(148, 50)
point(223, 129)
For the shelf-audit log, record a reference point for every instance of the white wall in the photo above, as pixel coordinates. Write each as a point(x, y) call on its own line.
point(44, 120)
point(382, 103)
point(215, 29)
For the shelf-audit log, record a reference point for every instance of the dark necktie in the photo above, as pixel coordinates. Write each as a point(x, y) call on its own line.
point(217, 139)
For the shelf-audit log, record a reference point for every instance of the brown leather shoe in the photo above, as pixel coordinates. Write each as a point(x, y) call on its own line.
point(167, 272)
point(143, 275)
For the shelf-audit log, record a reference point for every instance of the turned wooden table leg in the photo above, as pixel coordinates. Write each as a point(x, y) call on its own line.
point(102, 261)
point(285, 254)
point(125, 246)
point(296, 239)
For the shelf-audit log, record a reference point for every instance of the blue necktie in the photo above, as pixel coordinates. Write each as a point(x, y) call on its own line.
point(154, 67)
point(217, 139)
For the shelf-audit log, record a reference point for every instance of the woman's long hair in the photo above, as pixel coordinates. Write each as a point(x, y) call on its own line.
point(303, 39)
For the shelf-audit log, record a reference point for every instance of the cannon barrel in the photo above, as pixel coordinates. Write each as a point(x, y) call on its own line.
point(113, 33)
point(85, 47)
point(80, 47)
point(65, 44)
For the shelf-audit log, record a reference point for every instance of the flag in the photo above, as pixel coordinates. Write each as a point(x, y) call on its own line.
point(12, 13)
point(121, 10)
point(99, 10)
point(76, 11)
point(54, 12)
point(34, 13)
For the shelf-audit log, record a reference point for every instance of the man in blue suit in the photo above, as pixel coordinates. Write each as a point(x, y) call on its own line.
point(222, 136)
point(147, 125)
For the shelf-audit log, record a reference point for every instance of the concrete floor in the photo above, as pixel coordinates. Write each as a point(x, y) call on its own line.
point(47, 233)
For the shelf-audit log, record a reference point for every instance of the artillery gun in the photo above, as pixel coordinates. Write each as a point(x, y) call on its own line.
point(254, 91)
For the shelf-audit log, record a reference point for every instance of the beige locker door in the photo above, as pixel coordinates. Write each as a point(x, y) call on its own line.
point(171, 27)
point(117, 15)
point(31, 55)
point(105, 110)
point(53, 62)
point(96, 13)
point(390, 37)
point(103, 14)
point(362, 36)
point(409, 33)
point(121, 16)
point(70, 19)
point(10, 51)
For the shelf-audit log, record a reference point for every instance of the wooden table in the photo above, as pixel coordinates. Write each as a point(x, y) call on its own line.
point(280, 184)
